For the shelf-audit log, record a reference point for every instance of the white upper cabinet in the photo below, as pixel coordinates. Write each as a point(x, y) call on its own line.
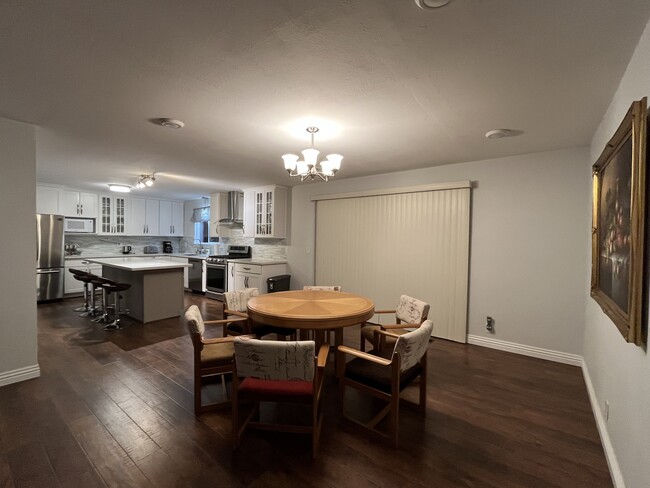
point(171, 218)
point(77, 204)
point(47, 200)
point(112, 215)
point(145, 217)
point(269, 211)
point(69, 203)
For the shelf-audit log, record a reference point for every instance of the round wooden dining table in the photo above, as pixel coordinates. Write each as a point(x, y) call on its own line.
point(315, 310)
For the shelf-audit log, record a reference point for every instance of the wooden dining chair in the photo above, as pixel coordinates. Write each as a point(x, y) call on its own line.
point(309, 334)
point(235, 304)
point(410, 313)
point(280, 372)
point(322, 287)
point(385, 375)
point(212, 357)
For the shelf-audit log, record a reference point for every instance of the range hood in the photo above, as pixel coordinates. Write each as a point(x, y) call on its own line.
point(235, 208)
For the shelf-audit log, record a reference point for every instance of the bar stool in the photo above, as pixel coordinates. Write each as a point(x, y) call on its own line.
point(115, 287)
point(86, 278)
point(98, 284)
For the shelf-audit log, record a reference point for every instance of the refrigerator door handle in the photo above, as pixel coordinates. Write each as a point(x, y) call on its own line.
point(52, 271)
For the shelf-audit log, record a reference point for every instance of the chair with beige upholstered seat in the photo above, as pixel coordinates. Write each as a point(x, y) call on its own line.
point(385, 374)
point(235, 304)
point(211, 356)
point(410, 312)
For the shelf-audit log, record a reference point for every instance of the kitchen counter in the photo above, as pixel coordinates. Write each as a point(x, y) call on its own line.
point(156, 290)
point(139, 263)
point(258, 261)
point(134, 255)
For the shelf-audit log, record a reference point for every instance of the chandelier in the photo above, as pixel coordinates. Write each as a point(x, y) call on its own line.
point(145, 180)
point(309, 167)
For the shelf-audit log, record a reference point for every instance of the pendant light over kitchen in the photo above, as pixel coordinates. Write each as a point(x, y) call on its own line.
point(309, 167)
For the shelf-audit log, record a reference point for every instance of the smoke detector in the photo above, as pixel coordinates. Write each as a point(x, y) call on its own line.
point(431, 4)
point(171, 123)
point(499, 133)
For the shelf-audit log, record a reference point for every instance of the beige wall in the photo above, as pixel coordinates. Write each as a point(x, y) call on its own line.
point(620, 372)
point(530, 218)
point(18, 358)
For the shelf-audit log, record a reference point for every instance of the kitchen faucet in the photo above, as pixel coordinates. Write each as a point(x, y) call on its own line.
point(200, 249)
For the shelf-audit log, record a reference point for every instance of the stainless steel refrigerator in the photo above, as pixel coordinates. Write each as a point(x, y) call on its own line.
point(49, 257)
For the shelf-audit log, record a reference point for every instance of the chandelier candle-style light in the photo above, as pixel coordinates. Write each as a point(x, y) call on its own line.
point(309, 167)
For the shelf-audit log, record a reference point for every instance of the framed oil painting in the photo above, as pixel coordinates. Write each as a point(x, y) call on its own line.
point(619, 204)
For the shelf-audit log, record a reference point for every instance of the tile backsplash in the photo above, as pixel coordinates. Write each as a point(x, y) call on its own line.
point(95, 245)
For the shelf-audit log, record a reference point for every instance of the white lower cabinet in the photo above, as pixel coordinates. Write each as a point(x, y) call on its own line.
point(256, 275)
point(70, 283)
point(231, 277)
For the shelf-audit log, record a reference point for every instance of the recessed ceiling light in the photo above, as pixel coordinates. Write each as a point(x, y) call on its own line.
point(431, 4)
point(499, 133)
point(119, 188)
point(171, 123)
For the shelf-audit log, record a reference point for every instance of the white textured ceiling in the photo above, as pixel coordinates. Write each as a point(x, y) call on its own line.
point(403, 87)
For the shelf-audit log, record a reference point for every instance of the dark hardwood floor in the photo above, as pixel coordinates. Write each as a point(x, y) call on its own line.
point(115, 409)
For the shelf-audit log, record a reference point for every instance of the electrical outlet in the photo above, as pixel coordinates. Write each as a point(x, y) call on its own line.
point(606, 411)
point(489, 324)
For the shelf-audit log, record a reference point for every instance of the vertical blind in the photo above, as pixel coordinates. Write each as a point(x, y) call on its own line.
point(385, 245)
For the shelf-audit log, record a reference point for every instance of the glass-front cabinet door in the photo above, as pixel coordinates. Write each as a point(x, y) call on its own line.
point(112, 218)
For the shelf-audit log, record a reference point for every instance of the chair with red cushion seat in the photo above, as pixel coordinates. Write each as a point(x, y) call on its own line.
point(277, 371)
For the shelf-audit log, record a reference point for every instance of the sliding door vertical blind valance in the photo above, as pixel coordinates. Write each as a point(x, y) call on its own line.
point(412, 241)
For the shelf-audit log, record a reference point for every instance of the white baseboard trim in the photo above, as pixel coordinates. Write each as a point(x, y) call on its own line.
point(21, 374)
point(610, 454)
point(536, 352)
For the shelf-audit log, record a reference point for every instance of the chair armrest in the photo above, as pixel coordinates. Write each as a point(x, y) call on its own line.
point(385, 311)
point(386, 333)
point(400, 326)
point(234, 312)
point(364, 355)
point(225, 340)
point(322, 355)
point(225, 321)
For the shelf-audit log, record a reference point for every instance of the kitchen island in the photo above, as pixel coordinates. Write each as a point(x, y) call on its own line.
point(156, 291)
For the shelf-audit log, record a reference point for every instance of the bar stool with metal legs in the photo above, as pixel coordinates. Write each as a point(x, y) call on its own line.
point(115, 287)
point(86, 278)
point(97, 309)
point(103, 311)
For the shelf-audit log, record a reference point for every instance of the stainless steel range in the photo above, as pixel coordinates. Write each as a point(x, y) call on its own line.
point(217, 270)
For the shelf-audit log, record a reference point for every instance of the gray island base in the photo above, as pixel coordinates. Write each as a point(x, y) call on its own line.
point(156, 291)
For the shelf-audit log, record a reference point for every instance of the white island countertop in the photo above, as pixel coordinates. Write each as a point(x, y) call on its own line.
point(133, 263)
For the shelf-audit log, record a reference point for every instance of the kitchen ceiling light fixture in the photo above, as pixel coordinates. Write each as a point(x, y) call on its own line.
point(309, 167)
point(145, 180)
point(119, 188)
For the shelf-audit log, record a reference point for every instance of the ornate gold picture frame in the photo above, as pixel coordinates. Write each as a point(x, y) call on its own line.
point(618, 231)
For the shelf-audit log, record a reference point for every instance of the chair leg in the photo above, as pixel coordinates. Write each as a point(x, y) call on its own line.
point(394, 418)
point(197, 393)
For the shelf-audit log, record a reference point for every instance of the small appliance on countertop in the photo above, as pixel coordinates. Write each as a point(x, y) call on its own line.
point(167, 247)
point(150, 250)
point(126, 249)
